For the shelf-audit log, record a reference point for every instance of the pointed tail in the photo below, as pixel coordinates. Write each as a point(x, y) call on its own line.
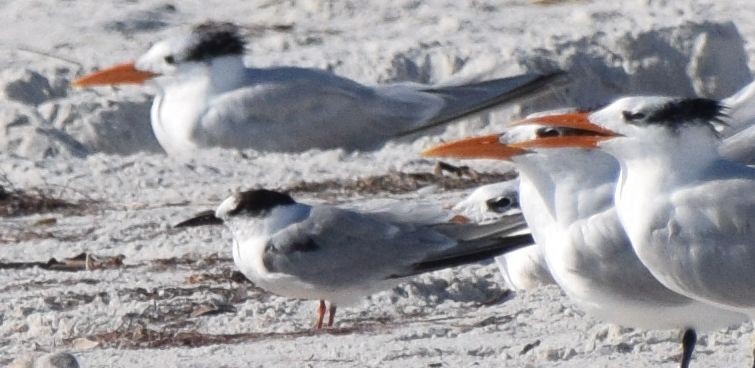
point(469, 99)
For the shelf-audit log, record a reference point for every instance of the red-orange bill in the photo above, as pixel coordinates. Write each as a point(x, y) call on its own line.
point(580, 141)
point(573, 120)
point(487, 146)
point(125, 73)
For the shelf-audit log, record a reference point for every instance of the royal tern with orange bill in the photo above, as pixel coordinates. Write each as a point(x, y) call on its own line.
point(208, 97)
point(689, 212)
point(586, 249)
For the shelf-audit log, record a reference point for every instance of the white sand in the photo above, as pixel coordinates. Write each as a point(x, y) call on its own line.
point(97, 144)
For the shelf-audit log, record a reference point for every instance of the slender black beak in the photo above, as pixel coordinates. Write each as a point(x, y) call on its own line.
point(201, 219)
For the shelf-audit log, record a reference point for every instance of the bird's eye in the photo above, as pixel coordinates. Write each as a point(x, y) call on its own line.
point(170, 59)
point(499, 204)
point(547, 132)
point(631, 116)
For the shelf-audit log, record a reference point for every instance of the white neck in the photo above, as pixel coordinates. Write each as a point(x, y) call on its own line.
point(665, 158)
point(562, 176)
point(652, 167)
point(184, 97)
point(226, 74)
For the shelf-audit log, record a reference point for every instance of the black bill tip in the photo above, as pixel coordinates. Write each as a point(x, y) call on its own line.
point(201, 219)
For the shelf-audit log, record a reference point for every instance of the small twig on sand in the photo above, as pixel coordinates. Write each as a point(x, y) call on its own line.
point(79, 66)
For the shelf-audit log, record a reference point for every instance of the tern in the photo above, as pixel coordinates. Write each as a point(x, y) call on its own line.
point(688, 210)
point(331, 254)
point(208, 97)
point(567, 199)
point(522, 269)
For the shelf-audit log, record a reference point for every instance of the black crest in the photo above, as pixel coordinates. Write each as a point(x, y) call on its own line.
point(260, 201)
point(693, 111)
point(213, 39)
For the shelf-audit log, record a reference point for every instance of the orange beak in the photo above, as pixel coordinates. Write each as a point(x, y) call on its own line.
point(589, 133)
point(579, 141)
point(574, 120)
point(478, 147)
point(125, 73)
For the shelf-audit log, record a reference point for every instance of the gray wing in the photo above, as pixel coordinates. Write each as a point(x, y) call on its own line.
point(603, 246)
point(713, 225)
point(291, 109)
point(403, 211)
point(474, 249)
point(465, 100)
point(513, 224)
point(295, 109)
point(337, 248)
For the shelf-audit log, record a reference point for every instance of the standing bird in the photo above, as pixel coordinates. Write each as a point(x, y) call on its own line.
point(331, 254)
point(688, 210)
point(522, 269)
point(585, 246)
point(208, 97)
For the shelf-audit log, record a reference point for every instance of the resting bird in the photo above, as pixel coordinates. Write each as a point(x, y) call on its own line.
point(207, 97)
point(523, 269)
point(332, 254)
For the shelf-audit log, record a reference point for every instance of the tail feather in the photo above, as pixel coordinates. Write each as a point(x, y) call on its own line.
point(466, 100)
point(468, 252)
point(504, 226)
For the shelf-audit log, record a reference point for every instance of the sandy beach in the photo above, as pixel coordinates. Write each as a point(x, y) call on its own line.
point(126, 289)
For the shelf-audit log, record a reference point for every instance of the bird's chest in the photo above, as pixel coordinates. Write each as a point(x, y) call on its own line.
point(647, 217)
point(176, 118)
point(248, 257)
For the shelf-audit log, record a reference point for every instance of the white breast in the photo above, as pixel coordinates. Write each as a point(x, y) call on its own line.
point(175, 116)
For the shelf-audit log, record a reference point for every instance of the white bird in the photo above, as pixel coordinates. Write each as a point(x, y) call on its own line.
point(689, 212)
point(208, 97)
point(522, 269)
point(586, 249)
point(327, 253)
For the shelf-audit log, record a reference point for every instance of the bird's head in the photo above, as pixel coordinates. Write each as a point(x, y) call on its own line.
point(644, 125)
point(189, 54)
point(490, 202)
point(521, 138)
point(247, 207)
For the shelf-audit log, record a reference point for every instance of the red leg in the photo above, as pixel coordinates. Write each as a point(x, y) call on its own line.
point(320, 315)
point(332, 315)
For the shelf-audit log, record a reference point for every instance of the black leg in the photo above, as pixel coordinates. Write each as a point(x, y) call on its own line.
point(688, 345)
point(331, 315)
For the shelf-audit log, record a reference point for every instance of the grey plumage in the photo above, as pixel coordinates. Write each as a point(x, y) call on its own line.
point(330, 253)
point(355, 247)
point(327, 108)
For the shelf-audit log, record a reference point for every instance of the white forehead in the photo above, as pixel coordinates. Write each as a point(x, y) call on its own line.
point(228, 205)
point(523, 133)
point(634, 104)
point(476, 202)
point(175, 45)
